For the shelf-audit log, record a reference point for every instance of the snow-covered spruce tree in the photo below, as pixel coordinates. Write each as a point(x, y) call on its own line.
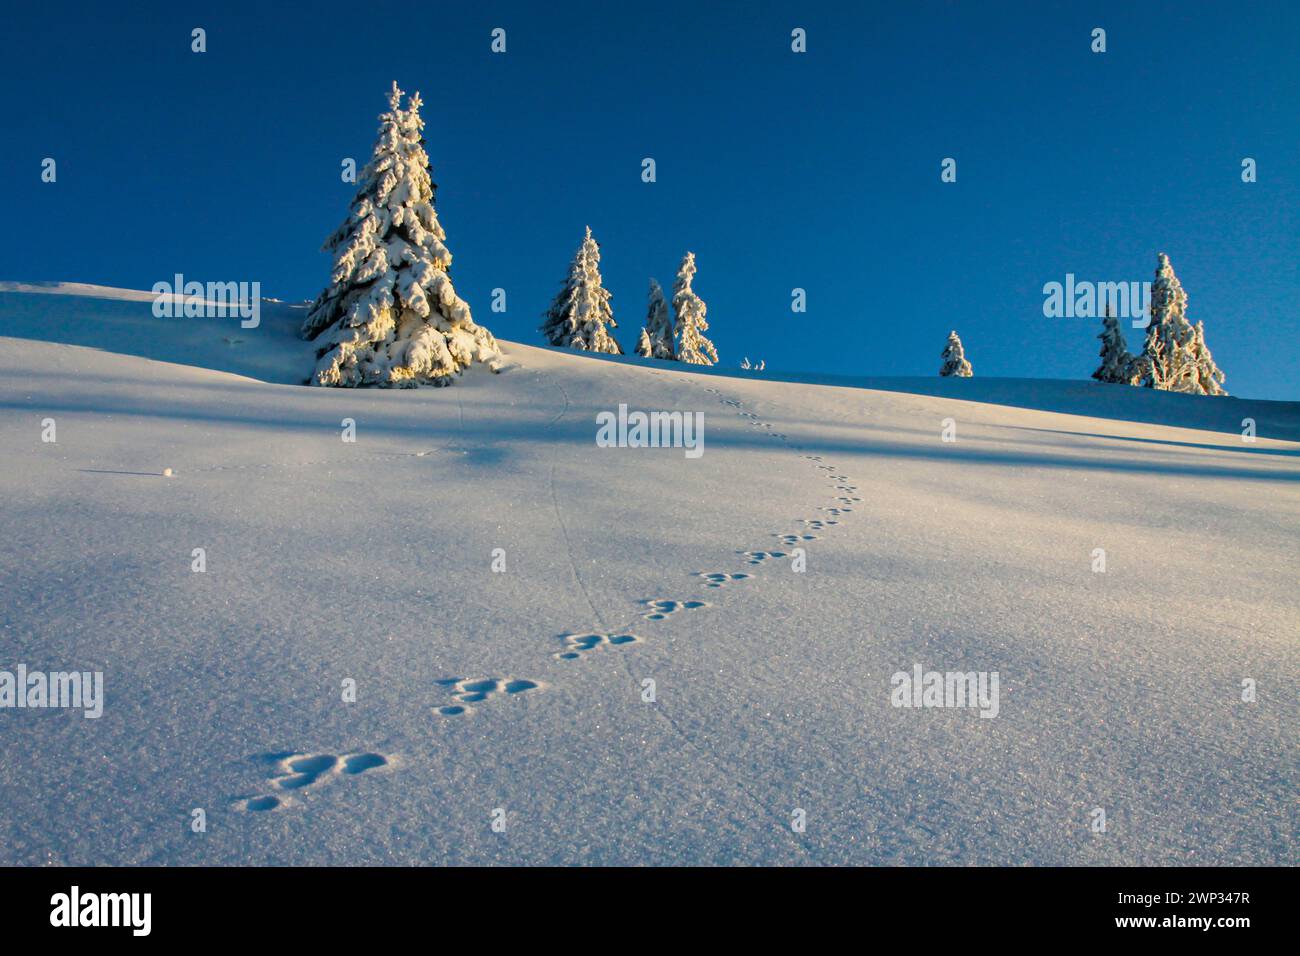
point(657, 334)
point(1208, 374)
point(954, 359)
point(689, 344)
point(1116, 360)
point(1167, 361)
point(578, 316)
point(390, 316)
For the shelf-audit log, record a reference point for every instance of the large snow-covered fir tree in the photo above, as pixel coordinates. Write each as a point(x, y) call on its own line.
point(1168, 361)
point(954, 359)
point(581, 314)
point(689, 344)
point(657, 334)
point(390, 316)
point(1116, 360)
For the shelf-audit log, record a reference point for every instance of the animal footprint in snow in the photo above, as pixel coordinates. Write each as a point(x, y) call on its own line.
point(848, 499)
point(301, 772)
point(660, 609)
point(468, 692)
point(758, 557)
point(817, 524)
point(837, 511)
point(575, 645)
point(793, 539)
point(813, 457)
point(716, 579)
point(305, 771)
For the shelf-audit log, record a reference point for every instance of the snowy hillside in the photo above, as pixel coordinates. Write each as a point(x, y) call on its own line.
point(524, 690)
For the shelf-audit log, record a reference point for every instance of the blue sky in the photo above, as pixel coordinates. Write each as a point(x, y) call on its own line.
point(778, 170)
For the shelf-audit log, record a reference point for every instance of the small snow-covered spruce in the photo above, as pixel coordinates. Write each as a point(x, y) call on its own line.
point(754, 367)
point(1116, 360)
point(578, 316)
point(643, 346)
point(657, 334)
point(1168, 361)
point(691, 346)
point(390, 316)
point(1208, 374)
point(954, 359)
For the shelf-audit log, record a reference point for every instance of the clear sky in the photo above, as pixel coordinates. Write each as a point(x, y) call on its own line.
point(779, 170)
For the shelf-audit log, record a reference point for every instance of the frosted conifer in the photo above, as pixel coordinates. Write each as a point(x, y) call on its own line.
point(1209, 377)
point(1167, 360)
point(580, 312)
point(1116, 361)
point(643, 346)
point(954, 359)
point(390, 316)
point(657, 334)
point(690, 345)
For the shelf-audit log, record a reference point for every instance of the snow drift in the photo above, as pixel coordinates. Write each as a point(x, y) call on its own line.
point(473, 615)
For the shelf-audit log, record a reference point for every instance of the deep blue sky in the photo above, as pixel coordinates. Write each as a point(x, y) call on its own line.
point(778, 170)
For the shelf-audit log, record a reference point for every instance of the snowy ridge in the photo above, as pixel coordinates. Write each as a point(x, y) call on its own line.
point(524, 689)
point(276, 353)
point(108, 292)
